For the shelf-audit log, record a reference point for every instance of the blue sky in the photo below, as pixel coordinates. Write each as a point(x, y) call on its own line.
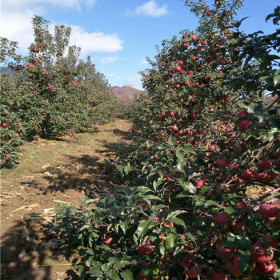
point(118, 34)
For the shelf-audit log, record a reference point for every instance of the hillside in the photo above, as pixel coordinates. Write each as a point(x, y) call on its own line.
point(125, 92)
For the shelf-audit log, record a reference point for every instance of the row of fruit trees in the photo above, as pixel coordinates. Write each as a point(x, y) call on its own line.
point(198, 195)
point(50, 92)
point(198, 198)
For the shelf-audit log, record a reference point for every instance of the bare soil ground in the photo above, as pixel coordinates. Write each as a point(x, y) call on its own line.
point(49, 173)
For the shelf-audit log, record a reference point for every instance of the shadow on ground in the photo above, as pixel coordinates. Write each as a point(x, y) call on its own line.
point(28, 252)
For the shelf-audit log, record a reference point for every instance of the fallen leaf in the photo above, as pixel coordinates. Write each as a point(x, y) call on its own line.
point(26, 207)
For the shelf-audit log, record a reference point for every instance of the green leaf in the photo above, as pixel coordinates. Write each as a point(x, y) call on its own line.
point(187, 186)
point(120, 168)
point(171, 141)
point(162, 249)
point(171, 240)
point(177, 221)
point(276, 80)
point(210, 202)
point(143, 227)
point(128, 169)
point(159, 206)
point(188, 149)
point(180, 156)
point(127, 275)
point(229, 210)
point(96, 272)
point(124, 226)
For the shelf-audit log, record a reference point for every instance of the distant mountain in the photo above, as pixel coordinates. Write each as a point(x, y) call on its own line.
point(125, 92)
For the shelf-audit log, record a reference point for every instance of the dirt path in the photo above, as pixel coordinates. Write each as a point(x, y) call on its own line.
point(51, 172)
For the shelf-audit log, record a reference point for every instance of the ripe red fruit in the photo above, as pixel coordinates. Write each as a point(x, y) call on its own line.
point(260, 253)
point(225, 253)
point(19, 124)
point(222, 162)
point(165, 78)
point(194, 58)
point(43, 73)
point(178, 68)
point(233, 266)
point(238, 228)
point(194, 272)
point(141, 276)
point(70, 134)
point(244, 124)
point(187, 83)
point(35, 50)
point(247, 175)
point(190, 72)
point(209, 14)
point(277, 163)
point(241, 205)
point(264, 165)
point(194, 38)
point(177, 86)
point(107, 240)
point(186, 261)
point(266, 268)
point(4, 124)
point(224, 37)
point(76, 137)
point(186, 45)
point(168, 224)
point(221, 219)
point(180, 62)
point(204, 43)
point(57, 70)
point(199, 183)
point(145, 250)
point(217, 276)
point(269, 210)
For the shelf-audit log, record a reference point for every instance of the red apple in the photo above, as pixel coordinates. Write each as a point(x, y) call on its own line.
point(225, 253)
point(107, 240)
point(222, 162)
point(186, 261)
point(264, 165)
point(221, 219)
point(244, 124)
point(266, 268)
point(261, 254)
point(178, 68)
point(241, 205)
point(145, 250)
point(233, 266)
point(3, 124)
point(194, 38)
point(269, 210)
point(194, 272)
point(217, 276)
point(186, 45)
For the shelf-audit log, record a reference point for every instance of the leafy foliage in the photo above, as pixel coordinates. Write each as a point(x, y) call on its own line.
point(200, 193)
point(49, 93)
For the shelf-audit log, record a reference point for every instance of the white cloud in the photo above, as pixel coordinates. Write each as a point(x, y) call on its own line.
point(151, 9)
point(109, 59)
point(144, 62)
point(42, 5)
point(16, 25)
point(94, 42)
point(134, 81)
